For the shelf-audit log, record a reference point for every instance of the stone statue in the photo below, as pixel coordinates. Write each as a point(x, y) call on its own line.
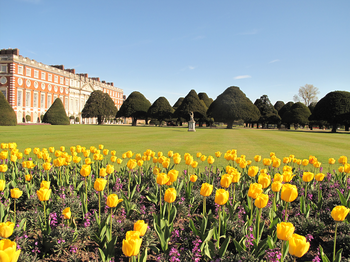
point(191, 116)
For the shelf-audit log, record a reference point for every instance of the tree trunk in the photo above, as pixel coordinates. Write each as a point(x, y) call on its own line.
point(229, 124)
point(334, 129)
point(346, 127)
point(134, 121)
point(100, 120)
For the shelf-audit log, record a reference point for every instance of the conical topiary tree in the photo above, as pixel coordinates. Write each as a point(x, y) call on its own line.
point(233, 105)
point(135, 106)
point(160, 110)
point(56, 115)
point(191, 103)
point(7, 114)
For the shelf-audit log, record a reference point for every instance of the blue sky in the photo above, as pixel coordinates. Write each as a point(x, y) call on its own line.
point(166, 47)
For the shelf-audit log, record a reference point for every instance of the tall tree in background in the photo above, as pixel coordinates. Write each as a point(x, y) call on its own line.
point(177, 119)
point(99, 105)
point(333, 108)
point(161, 110)
point(233, 105)
point(285, 114)
point(268, 114)
point(56, 115)
point(307, 94)
point(278, 105)
point(299, 114)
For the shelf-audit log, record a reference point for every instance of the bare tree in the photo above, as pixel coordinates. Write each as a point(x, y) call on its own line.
point(307, 94)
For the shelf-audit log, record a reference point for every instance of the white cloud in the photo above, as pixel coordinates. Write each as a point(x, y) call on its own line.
point(252, 32)
point(188, 68)
point(274, 61)
point(242, 77)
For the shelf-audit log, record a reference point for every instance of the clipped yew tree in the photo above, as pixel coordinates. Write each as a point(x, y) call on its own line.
point(135, 106)
point(160, 110)
point(207, 101)
point(300, 114)
point(233, 105)
point(191, 103)
point(99, 105)
point(333, 108)
point(7, 114)
point(56, 115)
point(268, 114)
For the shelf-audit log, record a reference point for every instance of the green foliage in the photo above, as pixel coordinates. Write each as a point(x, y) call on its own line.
point(206, 99)
point(135, 106)
point(191, 103)
point(278, 105)
point(232, 105)
point(300, 114)
point(268, 114)
point(7, 114)
point(160, 110)
point(99, 105)
point(56, 115)
point(333, 108)
point(178, 103)
point(285, 114)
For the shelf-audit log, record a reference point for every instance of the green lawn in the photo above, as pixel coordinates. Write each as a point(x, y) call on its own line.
point(122, 138)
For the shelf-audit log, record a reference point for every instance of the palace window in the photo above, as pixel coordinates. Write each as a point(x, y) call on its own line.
point(35, 100)
point(49, 77)
point(19, 97)
point(43, 75)
point(56, 79)
point(28, 99)
point(28, 71)
point(36, 74)
point(3, 68)
point(49, 100)
point(42, 100)
point(20, 70)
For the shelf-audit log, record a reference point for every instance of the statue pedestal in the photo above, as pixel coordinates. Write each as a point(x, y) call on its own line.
point(191, 126)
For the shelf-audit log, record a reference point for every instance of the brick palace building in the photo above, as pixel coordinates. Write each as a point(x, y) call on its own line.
point(31, 87)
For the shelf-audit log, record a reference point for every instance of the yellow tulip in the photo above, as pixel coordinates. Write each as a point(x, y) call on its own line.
point(255, 189)
point(88, 161)
point(27, 151)
point(218, 154)
point(2, 185)
point(131, 164)
point(289, 192)
point(287, 176)
point(4, 145)
point(339, 213)
point(278, 177)
point(165, 163)
point(342, 160)
point(3, 168)
point(253, 171)
point(189, 160)
point(105, 151)
point(119, 161)
point(194, 164)
point(6, 229)
point(210, 160)
point(236, 176)
point(177, 159)
point(8, 251)
point(43, 194)
point(276, 186)
point(103, 172)
point(203, 158)
point(113, 200)
point(100, 184)
point(170, 195)
point(264, 180)
point(226, 180)
point(173, 175)
point(267, 161)
point(45, 184)
point(109, 169)
point(47, 166)
point(331, 161)
point(199, 154)
point(319, 177)
point(66, 213)
point(162, 179)
point(170, 153)
point(141, 226)
point(305, 162)
point(28, 177)
point(285, 230)
point(298, 245)
point(276, 162)
point(206, 189)
point(257, 158)
point(131, 245)
point(113, 159)
point(16, 193)
point(129, 154)
point(85, 170)
point(193, 178)
point(308, 176)
point(221, 197)
point(13, 158)
point(261, 200)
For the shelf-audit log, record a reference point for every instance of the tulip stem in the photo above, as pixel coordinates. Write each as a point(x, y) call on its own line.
point(160, 202)
point(15, 209)
point(234, 194)
point(86, 192)
point(169, 209)
point(258, 228)
point(274, 202)
point(99, 207)
point(204, 206)
point(335, 240)
point(111, 227)
point(218, 240)
point(286, 213)
point(44, 204)
point(282, 250)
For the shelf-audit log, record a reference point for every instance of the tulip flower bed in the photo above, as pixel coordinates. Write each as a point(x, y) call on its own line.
point(93, 204)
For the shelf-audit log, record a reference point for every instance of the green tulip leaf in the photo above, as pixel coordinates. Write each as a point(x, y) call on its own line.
point(224, 246)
